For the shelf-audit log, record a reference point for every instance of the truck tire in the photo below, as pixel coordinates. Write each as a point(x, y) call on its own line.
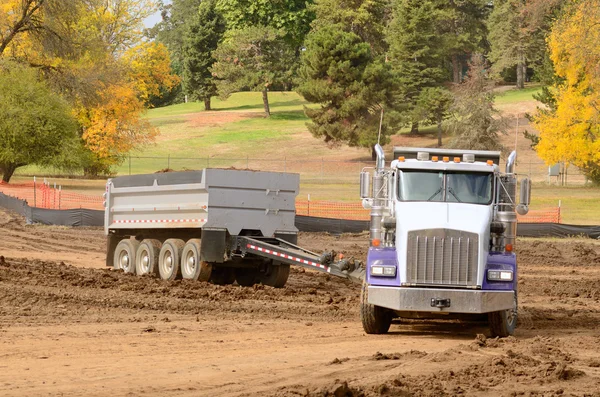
point(246, 276)
point(375, 319)
point(504, 322)
point(276, 275)
point(192, 267)
point(146, 257)
point(222, 275)
point(124, 257)
point(169, 259)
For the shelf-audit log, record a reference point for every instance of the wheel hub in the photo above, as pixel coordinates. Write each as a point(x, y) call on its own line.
point(145, 261)
point(191, 262)
point(124, 261)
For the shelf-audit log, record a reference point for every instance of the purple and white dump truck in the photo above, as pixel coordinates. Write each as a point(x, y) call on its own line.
point(443, 227)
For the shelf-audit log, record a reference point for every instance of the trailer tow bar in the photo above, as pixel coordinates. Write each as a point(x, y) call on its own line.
point(288, 253)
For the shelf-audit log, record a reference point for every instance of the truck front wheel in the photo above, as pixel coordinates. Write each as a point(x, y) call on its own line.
point(375, 319)
point(503, 323)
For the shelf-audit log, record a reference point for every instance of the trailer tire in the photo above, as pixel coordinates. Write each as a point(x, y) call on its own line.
point(375, 319)
point(192, 267)
point(169, 259)
point(504, 322)
point(222, 275)
point(276, 275)
point(246, 276)
point(146, 257)
point(124, 257)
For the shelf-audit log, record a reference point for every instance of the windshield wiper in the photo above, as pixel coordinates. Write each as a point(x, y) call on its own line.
point(454, 194)
point(436, 193)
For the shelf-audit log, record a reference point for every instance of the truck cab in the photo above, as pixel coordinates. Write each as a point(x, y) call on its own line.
point(443, 228)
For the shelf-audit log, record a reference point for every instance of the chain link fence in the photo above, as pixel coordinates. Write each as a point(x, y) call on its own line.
point(324, 169)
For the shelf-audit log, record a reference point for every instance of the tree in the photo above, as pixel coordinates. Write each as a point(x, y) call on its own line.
point(464, 31)
point(475, 123)
point(89, 51)
point(518, 29)
point(202, 37)
point(570, 131)
point(18, 17)
point(291, 17)
point(253, 58)
point(36, 125)
point(339, 71)
point(365, 18)
point(416, 52)
point(433, 105)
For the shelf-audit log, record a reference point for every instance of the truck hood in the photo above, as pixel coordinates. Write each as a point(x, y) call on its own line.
point(422, 215)
point(472, 218)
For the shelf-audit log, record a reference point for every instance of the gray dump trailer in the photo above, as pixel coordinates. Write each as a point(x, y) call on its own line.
point(214, 225)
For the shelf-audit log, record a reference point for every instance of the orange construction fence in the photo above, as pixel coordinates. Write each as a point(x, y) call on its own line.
point(42, 195)
point(355, 211)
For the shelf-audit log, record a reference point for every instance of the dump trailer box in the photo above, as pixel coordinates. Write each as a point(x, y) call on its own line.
point(232, 200)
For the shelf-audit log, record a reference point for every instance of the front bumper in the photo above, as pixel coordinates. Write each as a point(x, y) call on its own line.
point(452, 300)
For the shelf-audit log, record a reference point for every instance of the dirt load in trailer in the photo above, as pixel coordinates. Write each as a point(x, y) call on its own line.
point(183, 224)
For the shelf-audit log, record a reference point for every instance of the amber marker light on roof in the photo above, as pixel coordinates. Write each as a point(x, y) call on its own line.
point(490, 162)
point(457, 159)
point(446, 159)
point(401, 159)
point(508, 248)
point(434, 158)
point(376, 242)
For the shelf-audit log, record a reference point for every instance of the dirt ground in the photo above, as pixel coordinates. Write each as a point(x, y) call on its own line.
point(70, 327)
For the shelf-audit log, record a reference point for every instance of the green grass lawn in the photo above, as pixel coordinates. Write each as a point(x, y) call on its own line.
point(514, 95)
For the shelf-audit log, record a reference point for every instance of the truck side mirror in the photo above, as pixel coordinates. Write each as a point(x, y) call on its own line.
point(365, 188)
point(525, 197)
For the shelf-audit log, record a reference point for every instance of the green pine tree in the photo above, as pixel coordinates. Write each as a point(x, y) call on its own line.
point(340, 72)
point(416, 52)
point(202, 37)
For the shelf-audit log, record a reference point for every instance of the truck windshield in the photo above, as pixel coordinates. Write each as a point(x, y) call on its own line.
point(443, 186)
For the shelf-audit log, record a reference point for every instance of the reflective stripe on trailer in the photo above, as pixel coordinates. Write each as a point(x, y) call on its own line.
point(159, 220)
point(299, 260)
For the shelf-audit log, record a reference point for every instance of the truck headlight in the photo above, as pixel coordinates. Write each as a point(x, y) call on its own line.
point(500, 275)
point(383, 271)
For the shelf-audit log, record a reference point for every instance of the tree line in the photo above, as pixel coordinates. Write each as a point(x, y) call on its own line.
point(421, 62)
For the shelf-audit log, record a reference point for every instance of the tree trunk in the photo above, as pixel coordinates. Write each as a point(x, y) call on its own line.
point(456, 69)
point(520, 75)
point(439, 131)
point(207, 104)
point(7, 171)
point(266, 103)
point(414, 128)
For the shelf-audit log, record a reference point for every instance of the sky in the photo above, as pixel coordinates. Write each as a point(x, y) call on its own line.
point(154, 18)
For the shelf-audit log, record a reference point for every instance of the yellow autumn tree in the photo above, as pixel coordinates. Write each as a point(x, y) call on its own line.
point(571, 131)
point(94, 54)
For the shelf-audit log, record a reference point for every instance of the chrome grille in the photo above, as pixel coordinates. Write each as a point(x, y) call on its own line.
point(442, 257)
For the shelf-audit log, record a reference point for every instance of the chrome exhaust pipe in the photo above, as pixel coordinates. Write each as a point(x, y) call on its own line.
point(376, 230)
point(510, 163)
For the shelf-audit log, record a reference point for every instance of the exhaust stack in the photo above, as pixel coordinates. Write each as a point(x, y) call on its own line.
point(378, 195)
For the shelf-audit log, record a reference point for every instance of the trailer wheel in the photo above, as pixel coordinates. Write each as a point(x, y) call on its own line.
point(503, 323)
point(124, 257)
point(246, 276)
point(146, 257)
point(276, 275)
point(169, 259)
point(222, 275)
point(192, 267)
point(375, 319)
